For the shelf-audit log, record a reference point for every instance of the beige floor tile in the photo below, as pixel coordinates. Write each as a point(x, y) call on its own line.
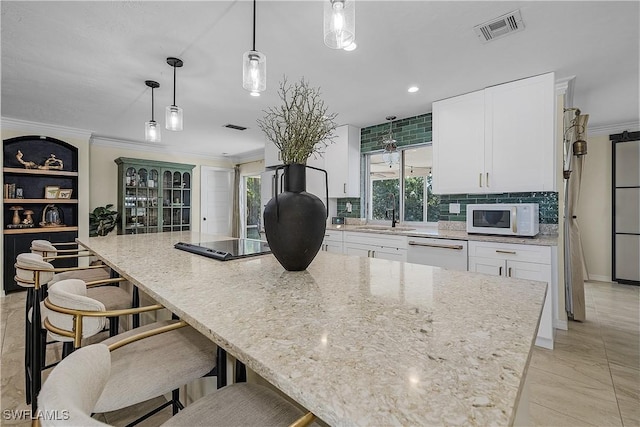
point(546, 417)
point(626, 382)
point(630, 412)
point(594, 404)
point(574, 366)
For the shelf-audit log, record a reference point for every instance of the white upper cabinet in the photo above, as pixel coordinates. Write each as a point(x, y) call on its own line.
point(272, 156)
point(500, 139)
point(458, 143)
point(342, 162)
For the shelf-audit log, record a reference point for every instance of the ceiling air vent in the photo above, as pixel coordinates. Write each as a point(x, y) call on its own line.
point(500, 27)
point(234, 127)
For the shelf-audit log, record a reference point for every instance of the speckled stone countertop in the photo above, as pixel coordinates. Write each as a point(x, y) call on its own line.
point(539, 240)
point(357, 341)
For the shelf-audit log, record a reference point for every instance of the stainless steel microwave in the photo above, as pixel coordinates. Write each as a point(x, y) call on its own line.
point(511, 219)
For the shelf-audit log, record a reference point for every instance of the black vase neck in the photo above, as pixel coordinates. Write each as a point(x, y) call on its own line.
point(295, 178)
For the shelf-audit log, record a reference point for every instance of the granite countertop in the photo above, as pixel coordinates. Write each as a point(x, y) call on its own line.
point(357, 341)
point(439, 233)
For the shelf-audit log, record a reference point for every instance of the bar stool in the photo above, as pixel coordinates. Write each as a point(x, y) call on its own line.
point(145, 368)
point(33, 273)
point(78, 385)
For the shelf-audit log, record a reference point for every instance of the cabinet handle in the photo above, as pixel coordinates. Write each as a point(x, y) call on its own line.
point(499, 271)
point(500, 251)
point(487, 179)
point(509, 274)
point(434, 245)
point(344, 188)
point(480, 179)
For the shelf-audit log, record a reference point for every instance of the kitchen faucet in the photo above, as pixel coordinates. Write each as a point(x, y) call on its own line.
point(393, 211)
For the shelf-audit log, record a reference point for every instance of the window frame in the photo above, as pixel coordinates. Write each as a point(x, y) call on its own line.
point(368, 187)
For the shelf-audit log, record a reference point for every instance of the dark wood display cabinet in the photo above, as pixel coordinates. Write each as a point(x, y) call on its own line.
point(39, 199)
point(153, 196)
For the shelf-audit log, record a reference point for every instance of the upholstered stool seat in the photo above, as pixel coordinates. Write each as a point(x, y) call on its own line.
point(82, 379)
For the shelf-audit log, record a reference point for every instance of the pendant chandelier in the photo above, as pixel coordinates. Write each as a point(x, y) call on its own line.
point(151, 130)
point(339, 23)
point(390, 156)
point(173, 116)
point(254, 66)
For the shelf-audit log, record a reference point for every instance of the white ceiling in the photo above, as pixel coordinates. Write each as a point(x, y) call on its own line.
point(83, 64)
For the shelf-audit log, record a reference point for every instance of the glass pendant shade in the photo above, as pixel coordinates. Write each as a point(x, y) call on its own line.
point(173, 118)
point(151, 131)
point(339, 23)
point(254, 72)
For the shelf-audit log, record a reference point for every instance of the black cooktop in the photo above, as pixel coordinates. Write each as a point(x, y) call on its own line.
point(225, 250)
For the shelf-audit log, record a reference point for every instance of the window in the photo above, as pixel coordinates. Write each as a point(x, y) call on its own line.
point(411, 178)
point(252, 207)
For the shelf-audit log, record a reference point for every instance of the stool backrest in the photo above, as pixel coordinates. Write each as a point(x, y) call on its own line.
point(72, 294)
point(30, 265)
point(43, 248)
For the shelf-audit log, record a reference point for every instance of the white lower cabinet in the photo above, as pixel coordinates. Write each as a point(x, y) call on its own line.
point(520, 262)
point(332, 242)
point(375, 245)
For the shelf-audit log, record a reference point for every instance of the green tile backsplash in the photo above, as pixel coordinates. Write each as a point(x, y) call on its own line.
point(417, 130)
point(548, 201)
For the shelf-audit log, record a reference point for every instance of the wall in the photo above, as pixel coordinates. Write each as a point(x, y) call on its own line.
point(104, 173)
point(594, 207)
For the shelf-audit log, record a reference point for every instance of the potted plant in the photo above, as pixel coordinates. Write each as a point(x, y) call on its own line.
point(295, 221)
point(102, 220)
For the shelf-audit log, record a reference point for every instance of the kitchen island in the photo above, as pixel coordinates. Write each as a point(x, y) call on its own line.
point(357, 341)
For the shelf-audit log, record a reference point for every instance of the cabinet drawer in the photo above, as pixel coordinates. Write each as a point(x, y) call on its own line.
point(509, 251)
point(333, 236)
point(373, 239)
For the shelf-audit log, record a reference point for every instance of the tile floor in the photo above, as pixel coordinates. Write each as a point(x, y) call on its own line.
point(592, 377)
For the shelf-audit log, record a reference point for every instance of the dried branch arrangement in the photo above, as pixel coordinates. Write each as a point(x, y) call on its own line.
point(300, 126)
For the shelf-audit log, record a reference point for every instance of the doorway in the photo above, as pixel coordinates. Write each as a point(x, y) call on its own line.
point(216, 200)
point(251, 207)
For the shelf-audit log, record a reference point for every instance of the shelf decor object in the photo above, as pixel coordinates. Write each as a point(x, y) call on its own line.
point(51, 191)
point(339, 24)
point(151, 130)
point(52, 163)
point(173, 116)
point(254, 66)
point(295, 220)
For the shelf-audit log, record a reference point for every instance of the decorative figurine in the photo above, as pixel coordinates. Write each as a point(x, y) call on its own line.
point(28, 220)
point(16, 215)
point(52, 163)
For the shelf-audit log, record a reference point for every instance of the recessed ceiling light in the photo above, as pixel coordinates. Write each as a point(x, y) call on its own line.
point(351, 47)
point(413, 89)
point(255, 93)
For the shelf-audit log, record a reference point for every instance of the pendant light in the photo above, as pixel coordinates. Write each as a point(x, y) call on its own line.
point(254, 66)
point(339, 23)
point(173, 115)
point(390, 155)
point(151, 129)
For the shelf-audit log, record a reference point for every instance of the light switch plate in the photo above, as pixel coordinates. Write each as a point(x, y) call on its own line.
point(454, 208)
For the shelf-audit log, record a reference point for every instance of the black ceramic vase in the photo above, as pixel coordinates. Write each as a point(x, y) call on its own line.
point(295, 221)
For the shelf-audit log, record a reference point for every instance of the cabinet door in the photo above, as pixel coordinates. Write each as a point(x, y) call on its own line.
point(342, 162)
point(519, 135)
point(271, 154)
point(389, 253)
point(541, 273)
point(458, 144)
point(357, 250)
point(492, 266)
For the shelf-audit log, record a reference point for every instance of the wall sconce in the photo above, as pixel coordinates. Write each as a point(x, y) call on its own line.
point(151, 130)
point(173, 116)
point(339, 23)
point(254, 66)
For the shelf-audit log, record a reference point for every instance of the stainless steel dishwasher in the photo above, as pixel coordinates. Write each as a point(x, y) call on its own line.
point(446, 253)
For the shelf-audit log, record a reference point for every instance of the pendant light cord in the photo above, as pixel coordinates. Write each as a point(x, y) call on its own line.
point(174, 86)
point(152, 105)
point(254, 25)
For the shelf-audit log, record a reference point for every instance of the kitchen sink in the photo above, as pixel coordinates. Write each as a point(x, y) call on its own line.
point(383, 228)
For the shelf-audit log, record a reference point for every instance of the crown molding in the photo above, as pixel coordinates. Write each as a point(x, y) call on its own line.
point(44, 129)
point(564, 86)
point(614, 128)
point(249, 156)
